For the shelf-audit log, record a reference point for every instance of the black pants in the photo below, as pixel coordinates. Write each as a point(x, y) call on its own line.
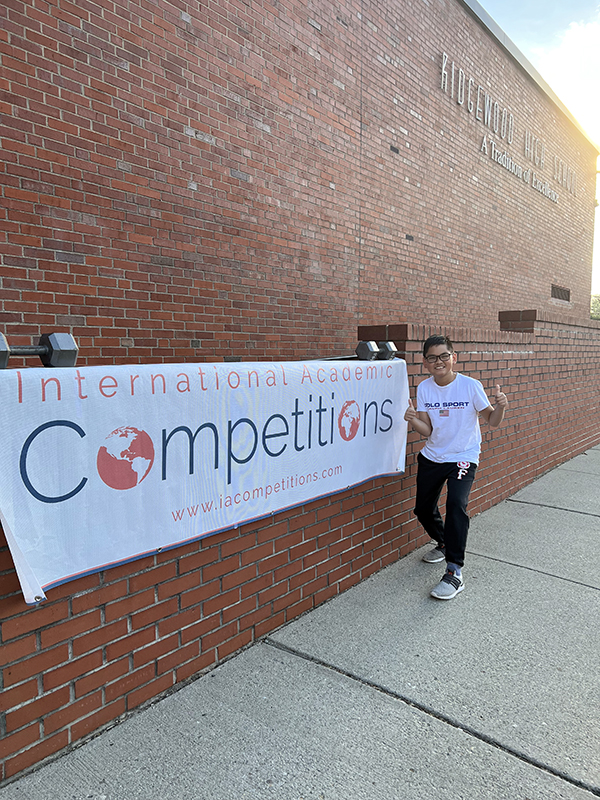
point(452, 533)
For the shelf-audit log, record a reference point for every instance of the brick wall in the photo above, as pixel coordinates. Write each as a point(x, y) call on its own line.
point(254, 180)
point(104, 645)
point(186, 181)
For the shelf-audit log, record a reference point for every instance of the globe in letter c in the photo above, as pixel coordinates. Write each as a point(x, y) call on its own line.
point(349, 420)
point(125, 458)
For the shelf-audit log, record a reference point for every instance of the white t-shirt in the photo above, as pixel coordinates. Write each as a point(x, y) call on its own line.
point(453, 411)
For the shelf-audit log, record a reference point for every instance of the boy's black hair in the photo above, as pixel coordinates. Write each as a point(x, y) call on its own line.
point(435, 340)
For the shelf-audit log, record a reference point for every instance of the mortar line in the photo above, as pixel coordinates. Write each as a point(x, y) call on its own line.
point(594, 790)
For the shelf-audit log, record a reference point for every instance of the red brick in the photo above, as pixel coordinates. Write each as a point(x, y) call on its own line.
point(286, 600)
point(36, 665)
point(239, 577)
point(71, 670)
point(285, 542)
point(38, 709)
point(127, 606)
point(34, 619)
point(101, 677)
point(99, 638)
point(325, 594)
point(302, 549)
point(269, 625)
point(225, 649)
point(71, 588)
point(220, 568)
point(238, 545)
point(196, 561)
point(11, 698)
point(72, 627)
point(256, 554)
point(17, 741)
point(201, 629)
point(149, 691)
point(102, 717)
point(179, 621)
point(270, 564)
point(153, 651)
point(239, 609)
point(346, 583)
point(130, 643)
point(299, 608)
point(34, 755)
point(272, 532)
point(207, 659)
point(140, 293)
point(303, 578)
point(19, 648)
point(314, 586)
point(153, 577)
point(98, 597)
point(123, 686)
point(303, 521)
point(220, 602)
point(72, 712)
point(260, 615)
point(218, 636)
point(257, 585)
point(178, 657)
point(178, 585)
point(155, 613)
point(195, 596)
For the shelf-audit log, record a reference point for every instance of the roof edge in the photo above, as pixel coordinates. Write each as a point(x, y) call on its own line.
point(482, 16)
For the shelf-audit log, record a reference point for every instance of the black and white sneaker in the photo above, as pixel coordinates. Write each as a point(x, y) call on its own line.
point(450, 585)
point(434, 555)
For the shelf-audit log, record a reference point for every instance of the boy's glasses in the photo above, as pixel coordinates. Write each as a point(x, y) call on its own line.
point(442, 357)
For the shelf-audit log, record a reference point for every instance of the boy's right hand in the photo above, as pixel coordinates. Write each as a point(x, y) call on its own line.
point(410, 413)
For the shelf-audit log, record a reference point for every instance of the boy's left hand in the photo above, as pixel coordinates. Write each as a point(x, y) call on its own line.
point(500, 397)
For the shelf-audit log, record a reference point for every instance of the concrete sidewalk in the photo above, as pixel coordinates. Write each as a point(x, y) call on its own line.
point(385, 693)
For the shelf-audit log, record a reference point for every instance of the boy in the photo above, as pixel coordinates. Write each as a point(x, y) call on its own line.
point(448, 408)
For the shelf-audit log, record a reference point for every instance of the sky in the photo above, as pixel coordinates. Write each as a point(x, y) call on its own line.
point(561, 38)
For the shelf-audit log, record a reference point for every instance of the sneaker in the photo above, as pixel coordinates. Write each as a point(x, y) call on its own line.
point(433, 556)
point(449, 586)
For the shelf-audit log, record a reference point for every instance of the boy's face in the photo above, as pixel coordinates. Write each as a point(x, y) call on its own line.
point(442, 371)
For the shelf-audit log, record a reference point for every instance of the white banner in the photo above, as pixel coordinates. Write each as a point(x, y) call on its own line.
point(102, 465)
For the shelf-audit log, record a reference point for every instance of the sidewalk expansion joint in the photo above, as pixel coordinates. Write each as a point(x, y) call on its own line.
point(482, 737)
point(556, 508)
point(533, 569)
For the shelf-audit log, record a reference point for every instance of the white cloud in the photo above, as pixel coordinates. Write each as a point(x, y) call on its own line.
point(572, 69)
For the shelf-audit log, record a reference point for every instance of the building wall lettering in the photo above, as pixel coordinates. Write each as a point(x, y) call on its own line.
point(535, 149)
point(504, 159)
point(565, 176)
point(474, 97)
point(463, 88)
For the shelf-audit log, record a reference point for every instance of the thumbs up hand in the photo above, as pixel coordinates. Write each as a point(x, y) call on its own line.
point(500, 397)
point(418, 422)
point(410, 413)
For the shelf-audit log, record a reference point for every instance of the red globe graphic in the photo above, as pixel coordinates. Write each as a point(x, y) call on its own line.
point(349, 420)
point(125, 458)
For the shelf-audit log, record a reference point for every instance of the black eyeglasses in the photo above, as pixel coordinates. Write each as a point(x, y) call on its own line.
point(442, 357)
